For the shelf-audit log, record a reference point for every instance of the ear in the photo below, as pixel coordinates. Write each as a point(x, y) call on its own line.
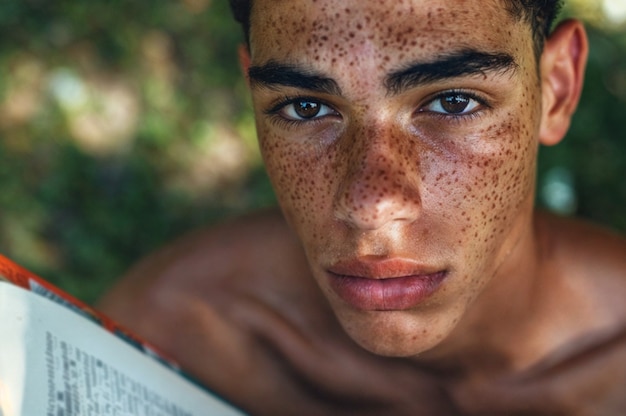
point(563, 64)
point(244, 61)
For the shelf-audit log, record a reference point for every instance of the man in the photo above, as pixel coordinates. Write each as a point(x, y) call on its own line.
point(407, 273)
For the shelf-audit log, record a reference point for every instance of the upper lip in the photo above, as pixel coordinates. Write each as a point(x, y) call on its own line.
point(382, 268)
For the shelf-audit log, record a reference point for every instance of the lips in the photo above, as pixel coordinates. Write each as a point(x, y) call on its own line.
point(384, 284)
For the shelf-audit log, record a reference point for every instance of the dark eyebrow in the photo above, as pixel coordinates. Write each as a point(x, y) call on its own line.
point(273, 74)
point(457, 64)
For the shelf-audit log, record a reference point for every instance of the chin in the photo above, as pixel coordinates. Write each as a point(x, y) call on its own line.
point(390, 335)
point(396, 351)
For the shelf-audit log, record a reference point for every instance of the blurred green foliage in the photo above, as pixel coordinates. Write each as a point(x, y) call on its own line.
point(173, 145)
point(123, 124)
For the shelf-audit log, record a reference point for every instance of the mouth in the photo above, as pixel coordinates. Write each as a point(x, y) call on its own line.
point(389, 284)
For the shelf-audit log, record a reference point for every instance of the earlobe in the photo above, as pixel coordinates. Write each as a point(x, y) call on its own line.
point(562, 73)
point(244, 60)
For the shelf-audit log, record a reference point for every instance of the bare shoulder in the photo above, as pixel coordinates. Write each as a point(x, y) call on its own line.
point(591, 261)
point(251, 256)
point(184, 294)
point(586, 251)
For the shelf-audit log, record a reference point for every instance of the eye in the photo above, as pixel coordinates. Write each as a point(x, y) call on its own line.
point(304, 109)
point(453, 103)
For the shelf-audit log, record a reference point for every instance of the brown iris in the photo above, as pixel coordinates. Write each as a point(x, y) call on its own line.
point(455, 104)
point(306, 109)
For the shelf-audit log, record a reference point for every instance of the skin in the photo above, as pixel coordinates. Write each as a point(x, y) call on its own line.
point(526, 313)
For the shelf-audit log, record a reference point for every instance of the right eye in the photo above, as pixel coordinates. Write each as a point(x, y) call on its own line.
point(303, 109)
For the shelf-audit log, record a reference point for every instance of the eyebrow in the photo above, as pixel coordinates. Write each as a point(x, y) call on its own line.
point(273, 74)
point(457, 64)
point(453, 65)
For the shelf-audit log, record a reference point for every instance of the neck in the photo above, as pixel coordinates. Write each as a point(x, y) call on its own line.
point(499, 333)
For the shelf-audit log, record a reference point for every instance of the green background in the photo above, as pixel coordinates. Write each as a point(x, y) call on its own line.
point(124, 124)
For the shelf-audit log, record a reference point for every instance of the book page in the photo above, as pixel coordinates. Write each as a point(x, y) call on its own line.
point(75, 367)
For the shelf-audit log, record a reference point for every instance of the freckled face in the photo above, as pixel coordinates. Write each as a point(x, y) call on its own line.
point(385, 147)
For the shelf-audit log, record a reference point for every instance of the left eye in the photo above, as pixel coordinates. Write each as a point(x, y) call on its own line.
point(452, 103)
point(305, 110)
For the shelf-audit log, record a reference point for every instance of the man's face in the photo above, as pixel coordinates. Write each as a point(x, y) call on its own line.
point(401, 139)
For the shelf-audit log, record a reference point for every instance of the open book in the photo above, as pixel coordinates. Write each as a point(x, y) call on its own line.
point(58, 357)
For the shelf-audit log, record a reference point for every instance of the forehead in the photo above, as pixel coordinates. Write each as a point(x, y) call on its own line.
point(288, 28)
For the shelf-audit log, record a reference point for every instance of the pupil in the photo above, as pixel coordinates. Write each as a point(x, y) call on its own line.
point(307, 109)
point(455, 104)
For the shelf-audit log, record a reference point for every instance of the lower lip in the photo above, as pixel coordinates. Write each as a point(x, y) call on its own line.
point(397, 293)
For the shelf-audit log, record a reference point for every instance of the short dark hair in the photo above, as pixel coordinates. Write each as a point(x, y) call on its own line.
point(539, 14)
point(241, 12)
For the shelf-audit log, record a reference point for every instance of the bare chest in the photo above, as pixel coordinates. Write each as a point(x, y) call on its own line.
point(311, 373)
point(586, 384)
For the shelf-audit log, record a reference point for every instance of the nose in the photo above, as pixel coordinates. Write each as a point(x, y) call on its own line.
point(381, 183)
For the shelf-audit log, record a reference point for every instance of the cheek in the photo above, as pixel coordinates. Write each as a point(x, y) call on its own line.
point(489, 184)
point(301, 176)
